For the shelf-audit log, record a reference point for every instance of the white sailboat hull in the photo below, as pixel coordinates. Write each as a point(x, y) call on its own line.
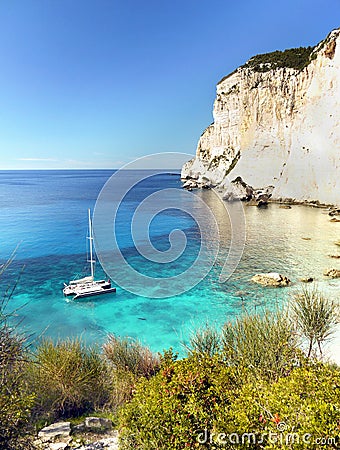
point(88, 286)
point(88, 289)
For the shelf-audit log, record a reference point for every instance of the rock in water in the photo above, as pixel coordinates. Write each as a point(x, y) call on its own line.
point(271, 279)
point(307, 280)
point(332, 273)
point(267, 129)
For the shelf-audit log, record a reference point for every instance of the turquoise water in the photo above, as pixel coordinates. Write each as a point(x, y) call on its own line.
point(45, 212)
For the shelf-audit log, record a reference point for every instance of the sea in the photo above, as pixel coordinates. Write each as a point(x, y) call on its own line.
point(43, 224)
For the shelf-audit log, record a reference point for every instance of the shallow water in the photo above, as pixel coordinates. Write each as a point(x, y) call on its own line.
point(46, 212)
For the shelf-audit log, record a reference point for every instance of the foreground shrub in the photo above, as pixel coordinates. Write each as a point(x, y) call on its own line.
point(206, 341)
point(202, 403)
point(300, 411)
point(68, 378)
point(315, 317)
point(265, 343)
point(129, 355)
point(185, 396)
point(16, 400)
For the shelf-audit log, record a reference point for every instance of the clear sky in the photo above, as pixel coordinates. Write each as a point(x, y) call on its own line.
point(96, 83)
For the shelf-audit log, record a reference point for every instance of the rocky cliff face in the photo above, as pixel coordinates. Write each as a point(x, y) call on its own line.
point(277, 128)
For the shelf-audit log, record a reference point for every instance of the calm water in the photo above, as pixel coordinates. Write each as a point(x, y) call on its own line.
point(45, 213)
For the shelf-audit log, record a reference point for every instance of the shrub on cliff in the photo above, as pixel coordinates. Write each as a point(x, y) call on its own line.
point(128, 360)
point(68, 378)
point(300, 411)
point(202, 403)
point(129, 355)
point(265, 343)
point(16, 400)
point(186, 396)
point(315, 317)
point(295, 58)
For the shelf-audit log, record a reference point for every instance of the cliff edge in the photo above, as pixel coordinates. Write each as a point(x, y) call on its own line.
point(276, 127)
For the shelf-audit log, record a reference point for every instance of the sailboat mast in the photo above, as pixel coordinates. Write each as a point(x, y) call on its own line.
point(91, 244)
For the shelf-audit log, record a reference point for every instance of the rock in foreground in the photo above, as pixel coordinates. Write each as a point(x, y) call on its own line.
point(57, 431)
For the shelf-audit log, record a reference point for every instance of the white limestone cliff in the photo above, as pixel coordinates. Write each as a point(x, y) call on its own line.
point(278, 128)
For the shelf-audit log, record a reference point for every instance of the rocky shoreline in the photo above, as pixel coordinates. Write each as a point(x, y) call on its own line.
point(241, 191)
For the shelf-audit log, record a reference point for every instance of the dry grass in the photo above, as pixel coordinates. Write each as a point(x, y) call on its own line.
point(68, 378)
point(129, 355)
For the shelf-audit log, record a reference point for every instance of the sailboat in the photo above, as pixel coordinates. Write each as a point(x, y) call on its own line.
point(88, 286)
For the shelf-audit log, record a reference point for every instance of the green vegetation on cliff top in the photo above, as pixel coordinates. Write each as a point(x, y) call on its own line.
point(293, 58)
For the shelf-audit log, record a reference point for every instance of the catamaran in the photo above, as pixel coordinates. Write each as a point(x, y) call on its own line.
point(88, 286)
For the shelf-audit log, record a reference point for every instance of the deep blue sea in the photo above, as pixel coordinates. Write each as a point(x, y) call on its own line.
point(44, 215)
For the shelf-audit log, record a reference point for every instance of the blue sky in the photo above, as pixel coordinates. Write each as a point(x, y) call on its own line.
point(97, 83)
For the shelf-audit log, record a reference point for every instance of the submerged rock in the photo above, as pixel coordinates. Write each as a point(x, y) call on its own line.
point(307, 280)
point(332, 273)
point(271, 279)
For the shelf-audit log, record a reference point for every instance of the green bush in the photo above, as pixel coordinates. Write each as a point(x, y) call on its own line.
point(303, 406)
point(186, 396)
point(16, 400)
point(191, 402)
point(266, 344)
point(205, 340)
point(129, 355)
point(68, 378)
point(315, 317)
point(295, 58)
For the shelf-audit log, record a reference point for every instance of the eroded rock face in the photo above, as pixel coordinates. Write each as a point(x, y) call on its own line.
point(278, 128)
point(271, 279)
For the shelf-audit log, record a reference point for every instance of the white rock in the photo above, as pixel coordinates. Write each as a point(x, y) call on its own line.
point(56, 431)
point(111, 443)
point(278, 128)
point(98, 422)
point(58, 446)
